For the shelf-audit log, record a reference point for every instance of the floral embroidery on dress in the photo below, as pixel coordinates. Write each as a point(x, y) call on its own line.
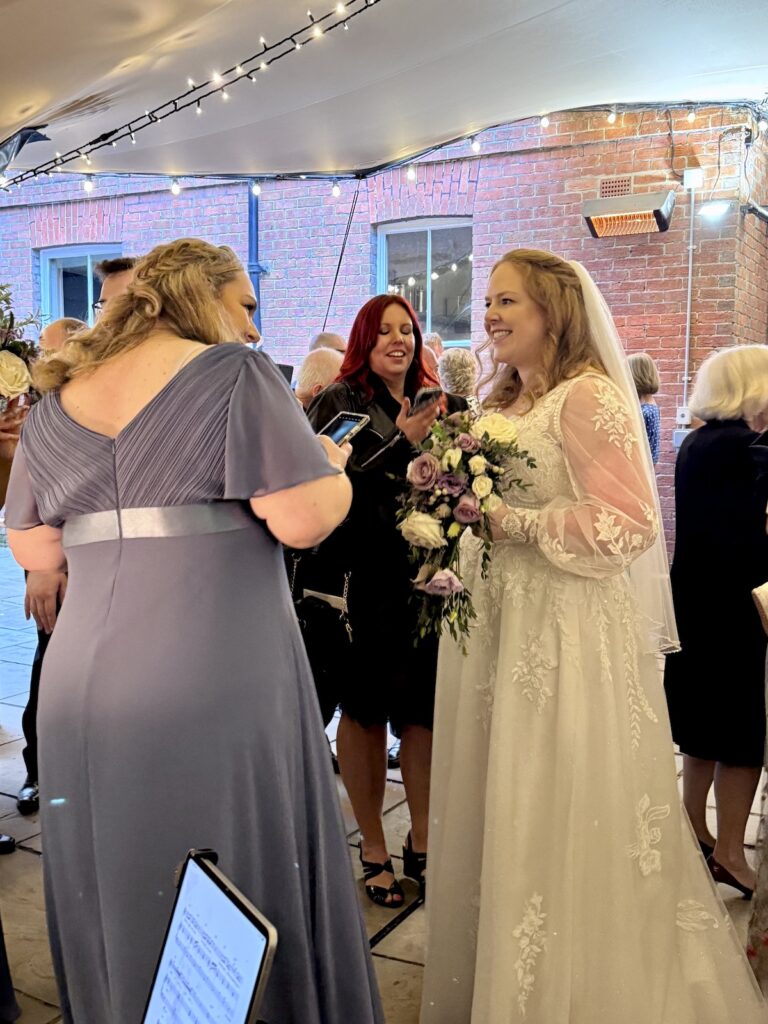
point(649, 860)
point(613, 416)
point(486, 689)
point(618, 540)
point(637, 700)
point(693, 916)
point(530, 671)
point(532, 941)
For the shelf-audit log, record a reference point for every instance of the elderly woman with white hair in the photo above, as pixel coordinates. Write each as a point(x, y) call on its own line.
point(716, 685)
point(457, 368)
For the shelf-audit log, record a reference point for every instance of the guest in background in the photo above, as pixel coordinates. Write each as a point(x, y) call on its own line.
point(57, 333)
point(115, 276)
point(716, 684)
point(434, 343)
point(646, 378)
point(457, 368)
point(326, 339)
point(389, 676)
point(318, 370)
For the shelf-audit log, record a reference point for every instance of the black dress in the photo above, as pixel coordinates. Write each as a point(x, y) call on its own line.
point(386, 676)
point(716, 685)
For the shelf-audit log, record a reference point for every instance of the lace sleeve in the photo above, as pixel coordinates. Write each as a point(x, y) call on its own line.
point(612, 519)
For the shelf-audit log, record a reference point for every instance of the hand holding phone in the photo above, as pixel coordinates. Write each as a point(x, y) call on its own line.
point(423, 398)
point(344, 426)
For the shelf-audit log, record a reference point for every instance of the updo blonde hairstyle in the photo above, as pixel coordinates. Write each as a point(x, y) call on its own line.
point(554, 286)
point(175, 288)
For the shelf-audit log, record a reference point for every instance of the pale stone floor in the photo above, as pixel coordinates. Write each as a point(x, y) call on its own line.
point(397, 939)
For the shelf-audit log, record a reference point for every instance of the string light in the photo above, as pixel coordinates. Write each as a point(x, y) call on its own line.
point(612, 116)
point(691, 116)
point(336, 190)
point(435, 275)
point(411, 173)
point(88, 183)
point(175, 187)
point(133, 138)
point(217, 84)
point(411, 282)
point(454, 267)
point(199, 108)
point(544, 122)
point(256, 188)
point(474, 144)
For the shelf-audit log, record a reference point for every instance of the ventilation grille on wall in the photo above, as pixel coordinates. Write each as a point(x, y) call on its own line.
point(611, 187)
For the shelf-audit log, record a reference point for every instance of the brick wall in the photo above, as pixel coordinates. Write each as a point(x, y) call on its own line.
point(525, 188)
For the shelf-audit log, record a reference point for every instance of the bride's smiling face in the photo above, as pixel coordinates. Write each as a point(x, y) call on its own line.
point(515, 324)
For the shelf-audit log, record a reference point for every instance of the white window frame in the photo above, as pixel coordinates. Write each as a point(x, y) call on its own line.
point(51, 298)
point(400, 227)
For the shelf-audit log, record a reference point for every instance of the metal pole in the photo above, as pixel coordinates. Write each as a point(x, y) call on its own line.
point(687, 359)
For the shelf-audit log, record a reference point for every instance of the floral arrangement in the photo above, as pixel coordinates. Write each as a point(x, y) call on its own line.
point(16, 354)
point(456, 481)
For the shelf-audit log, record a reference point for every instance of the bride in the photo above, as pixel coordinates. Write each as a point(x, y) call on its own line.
point(565, 886)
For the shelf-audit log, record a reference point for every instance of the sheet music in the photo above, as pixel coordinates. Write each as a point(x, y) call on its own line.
point(211, 959)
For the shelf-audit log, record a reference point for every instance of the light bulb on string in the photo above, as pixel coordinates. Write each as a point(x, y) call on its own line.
point(474, 144)
point(317, 32)
point(133, 139)
point(340, 8)
point(336, 190)
point(411, 173)
point(454, 267)
point(199, 108)
point(411, 282)
point(175, 187)
point(224, 94)
point(262, 41)
point(691, 116)
point(190, 83)
point(435, 275)
point(346, 27)
point(256, 188)
point(239, 69)
point(612, 116)
point(296, 44)
point(88, 183)
point(264, 65)
point(216, 78)
point(114, 144)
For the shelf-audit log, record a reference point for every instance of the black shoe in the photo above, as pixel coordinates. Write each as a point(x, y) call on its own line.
point(28, 798)
point(392, 898)
point(414, 864)
point(393, 755)
point(7, 844)
point(721, 874)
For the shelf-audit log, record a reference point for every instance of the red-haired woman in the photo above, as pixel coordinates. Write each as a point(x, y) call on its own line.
point(389, 676)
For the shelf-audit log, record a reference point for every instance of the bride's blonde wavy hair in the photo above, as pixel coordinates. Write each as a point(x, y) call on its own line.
point(175, 287)
point(555, 287)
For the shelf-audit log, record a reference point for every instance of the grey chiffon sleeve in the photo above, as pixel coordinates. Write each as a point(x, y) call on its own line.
point(21, 511)
point(270, 445)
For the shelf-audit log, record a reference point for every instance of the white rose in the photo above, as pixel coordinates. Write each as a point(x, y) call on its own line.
point(422, 531)
point(442, 511)
point(451, 460)
point(482, 486)
point(15, 378)
point(477, 465)
point(492, 502)
point(497, 427)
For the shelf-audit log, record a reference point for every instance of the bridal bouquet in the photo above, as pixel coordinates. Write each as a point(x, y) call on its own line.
point(16, 354)
point(456, 481)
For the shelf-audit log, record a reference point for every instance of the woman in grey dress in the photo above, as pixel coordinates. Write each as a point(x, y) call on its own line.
point(176, 705)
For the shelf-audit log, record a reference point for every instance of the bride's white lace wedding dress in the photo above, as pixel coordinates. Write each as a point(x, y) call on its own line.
point(565, 886)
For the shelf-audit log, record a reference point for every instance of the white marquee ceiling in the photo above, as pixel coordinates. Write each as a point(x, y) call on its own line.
point(408, 74)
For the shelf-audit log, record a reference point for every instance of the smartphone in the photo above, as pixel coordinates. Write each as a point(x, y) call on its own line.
point(344, 426)
point(425, 396)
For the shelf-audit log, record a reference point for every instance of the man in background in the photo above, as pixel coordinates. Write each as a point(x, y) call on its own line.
point(45, 590)
point(327, 340)
point(318, 370)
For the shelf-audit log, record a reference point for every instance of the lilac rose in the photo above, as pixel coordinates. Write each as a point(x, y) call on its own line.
point(467, 510)
point(451, 485)
point(423, 472)
point(467, 443)
point(443, 584)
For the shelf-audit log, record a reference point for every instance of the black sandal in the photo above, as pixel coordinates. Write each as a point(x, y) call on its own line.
point(414, 864)
point(393, 897)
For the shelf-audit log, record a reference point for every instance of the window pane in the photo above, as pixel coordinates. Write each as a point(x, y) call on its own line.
point(451, 281)
point(74, 291)
point(407, 269)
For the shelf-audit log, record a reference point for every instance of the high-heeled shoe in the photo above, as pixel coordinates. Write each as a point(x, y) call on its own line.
point(706, 849)
point(414, 864)
point(392, 897)
point(721, 874)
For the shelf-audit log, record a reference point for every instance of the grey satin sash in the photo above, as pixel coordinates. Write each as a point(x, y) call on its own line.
point(167, 521)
